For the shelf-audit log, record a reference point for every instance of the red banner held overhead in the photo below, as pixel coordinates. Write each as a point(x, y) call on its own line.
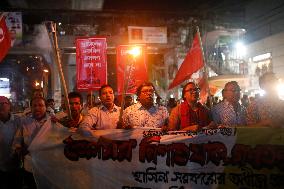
point(5, 39)
point(91, 63)
point(136, 70)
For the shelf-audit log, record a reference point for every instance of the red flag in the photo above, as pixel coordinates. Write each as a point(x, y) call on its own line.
point(192, 63)
point(5, 39)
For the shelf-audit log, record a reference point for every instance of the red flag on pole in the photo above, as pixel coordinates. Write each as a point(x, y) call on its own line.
point(5, 39)
point(192, 63)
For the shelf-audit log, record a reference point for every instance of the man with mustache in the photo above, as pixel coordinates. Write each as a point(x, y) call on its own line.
point(27, 132)
point(145, 113)
point(104, 116)
point(76, 103)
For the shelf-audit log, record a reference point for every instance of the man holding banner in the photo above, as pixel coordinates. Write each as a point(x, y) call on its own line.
point(103, 117)
point(145, 113)
point(230, 112)
point(76, 103)
point(190, 115)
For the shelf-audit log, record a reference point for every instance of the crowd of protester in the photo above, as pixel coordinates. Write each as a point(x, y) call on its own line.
point(18, 131)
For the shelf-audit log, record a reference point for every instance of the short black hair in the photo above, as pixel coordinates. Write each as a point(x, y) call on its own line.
point(231, 83)
point(39, 90)
point(36, 98)
point(144, 84)
point(6, 99)
point(50, 100)
point(75, 94)
point(104, 86)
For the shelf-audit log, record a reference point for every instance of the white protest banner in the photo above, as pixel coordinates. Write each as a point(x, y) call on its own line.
point(141, 158)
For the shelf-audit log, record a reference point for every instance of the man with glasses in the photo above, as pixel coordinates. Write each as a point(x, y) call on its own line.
point(190, 115)
point(230, 112)
point(9, 166)
point(145, 113)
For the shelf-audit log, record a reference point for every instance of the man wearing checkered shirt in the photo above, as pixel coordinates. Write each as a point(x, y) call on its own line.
point(230, 112)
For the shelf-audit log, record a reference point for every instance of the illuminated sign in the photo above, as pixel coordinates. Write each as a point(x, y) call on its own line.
point(261, 57)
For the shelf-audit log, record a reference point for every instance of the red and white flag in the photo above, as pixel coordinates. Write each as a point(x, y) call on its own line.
point(136, 72)
point(191, 64)
point(5, 39)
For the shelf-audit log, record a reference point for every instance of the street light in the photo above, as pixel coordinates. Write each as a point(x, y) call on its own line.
point(280, 89)
point(135, 51)
point(240, 49)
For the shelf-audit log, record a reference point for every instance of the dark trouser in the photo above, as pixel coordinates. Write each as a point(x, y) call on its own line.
point(29, 181)
point(11, 179)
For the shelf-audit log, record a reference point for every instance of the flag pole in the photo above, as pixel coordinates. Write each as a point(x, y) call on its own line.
point(205, 68)
point(125, 86)
point(124, 89)
point(59, 66)
point(133, 53)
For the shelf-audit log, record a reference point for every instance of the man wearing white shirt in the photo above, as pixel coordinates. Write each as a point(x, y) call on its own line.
point(104, 116)
point(30, 127)
point(9, 166)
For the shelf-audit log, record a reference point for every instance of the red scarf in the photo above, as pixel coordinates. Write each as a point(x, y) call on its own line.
point(200, 117)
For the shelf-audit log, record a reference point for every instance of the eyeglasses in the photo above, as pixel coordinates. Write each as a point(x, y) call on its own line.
point(195, 90)
point(235, 90)
point(147, 91)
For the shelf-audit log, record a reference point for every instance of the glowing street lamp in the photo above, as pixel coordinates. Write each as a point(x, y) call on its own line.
point(280, 89)
point(135, 51)
point(240, 49)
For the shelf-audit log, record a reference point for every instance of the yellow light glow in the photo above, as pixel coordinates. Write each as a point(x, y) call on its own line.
point(45, 70)
point(280, 90)
point(36, 83)
point(135, 51)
